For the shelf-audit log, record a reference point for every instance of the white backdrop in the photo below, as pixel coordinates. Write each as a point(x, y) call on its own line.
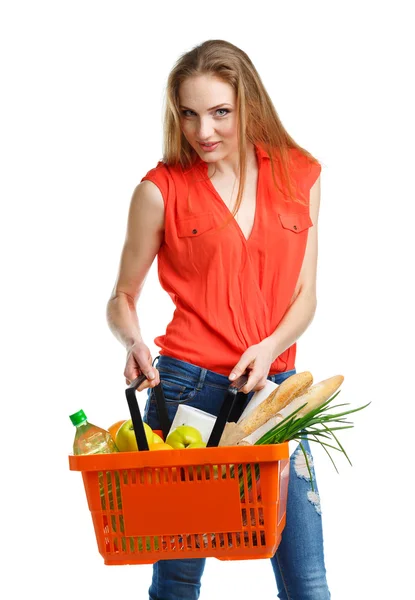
point(83, 86)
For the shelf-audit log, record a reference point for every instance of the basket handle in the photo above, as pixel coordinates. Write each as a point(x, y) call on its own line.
point(136, 418)
point(228, 409)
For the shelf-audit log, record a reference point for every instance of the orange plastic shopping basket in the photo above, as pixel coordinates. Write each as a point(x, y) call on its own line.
point(223, 502)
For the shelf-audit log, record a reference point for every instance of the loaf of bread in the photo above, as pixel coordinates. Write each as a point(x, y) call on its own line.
point(289, 389)
point(314, 397)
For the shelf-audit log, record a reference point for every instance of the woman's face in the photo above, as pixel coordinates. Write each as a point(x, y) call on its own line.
point(208, 114)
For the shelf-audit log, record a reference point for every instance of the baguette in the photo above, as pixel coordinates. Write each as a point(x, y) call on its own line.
point(279, 398)
point(316, 395)
point(313, 398)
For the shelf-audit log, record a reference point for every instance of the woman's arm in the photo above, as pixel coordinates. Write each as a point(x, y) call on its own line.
point(258, 358)
point(145, 231)
point(303, 304)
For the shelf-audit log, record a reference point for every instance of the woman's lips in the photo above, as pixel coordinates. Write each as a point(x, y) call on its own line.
point(209, 148)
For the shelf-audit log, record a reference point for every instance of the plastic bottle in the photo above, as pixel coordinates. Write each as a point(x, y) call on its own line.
point(90, 439)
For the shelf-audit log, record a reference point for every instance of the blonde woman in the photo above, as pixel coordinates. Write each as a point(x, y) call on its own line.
point(231, 213)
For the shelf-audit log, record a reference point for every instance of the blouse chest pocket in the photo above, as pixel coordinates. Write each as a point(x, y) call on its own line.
point(195, 225)
point(296, 222)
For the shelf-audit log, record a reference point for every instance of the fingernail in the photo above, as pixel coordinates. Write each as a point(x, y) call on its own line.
point(232, 376)
point(151, 376)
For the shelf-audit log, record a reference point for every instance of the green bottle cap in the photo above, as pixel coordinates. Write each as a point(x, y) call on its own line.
point(78, 417)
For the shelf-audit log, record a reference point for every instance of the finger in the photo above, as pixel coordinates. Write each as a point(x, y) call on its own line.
point(145, 366)
point(253, 381)
point(150, 373)
point(240, 368)
point(149, 384)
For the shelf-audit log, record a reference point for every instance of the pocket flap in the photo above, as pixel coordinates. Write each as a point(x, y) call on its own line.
point(296, 221)
point(195, 225)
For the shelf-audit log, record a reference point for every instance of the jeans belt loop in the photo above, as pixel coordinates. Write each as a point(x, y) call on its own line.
point(202, 376)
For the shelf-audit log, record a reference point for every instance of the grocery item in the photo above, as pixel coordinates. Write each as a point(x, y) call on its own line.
point(189, 415)
point(126, 440)
point(183, 436)
point(286, 392)
point(159, 446)
point(197, 445)
point(258, 397)
point(113, 429)
point(157, 439)
point(90, 439)
point(314, 397)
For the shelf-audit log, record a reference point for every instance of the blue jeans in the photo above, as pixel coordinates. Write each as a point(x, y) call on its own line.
point(298, 563)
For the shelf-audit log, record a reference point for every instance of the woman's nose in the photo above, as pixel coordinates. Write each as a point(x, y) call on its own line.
point(205, 129)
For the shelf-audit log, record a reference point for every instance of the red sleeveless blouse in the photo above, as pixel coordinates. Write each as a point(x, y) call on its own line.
point(229, 292)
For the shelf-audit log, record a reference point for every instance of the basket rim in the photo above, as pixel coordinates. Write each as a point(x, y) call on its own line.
point(178, 458)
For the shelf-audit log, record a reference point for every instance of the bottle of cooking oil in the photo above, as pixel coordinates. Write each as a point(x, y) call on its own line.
point(90, 439)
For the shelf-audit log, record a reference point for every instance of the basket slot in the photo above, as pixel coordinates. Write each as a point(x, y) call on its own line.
point(255, 495)
point(172, 474)
point(116, 486)
point(151, 543)
point(167, 543)
point(103, 490)
point(178, 542)
point(245, 512)
point(111, 489)
point(153, 476)
point(207, 538)
point(228, 471)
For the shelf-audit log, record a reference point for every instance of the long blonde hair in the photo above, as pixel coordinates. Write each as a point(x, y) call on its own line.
point(258, 121)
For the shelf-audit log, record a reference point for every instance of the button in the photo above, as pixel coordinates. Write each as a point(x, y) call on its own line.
point(294, 226)
point(194, 231)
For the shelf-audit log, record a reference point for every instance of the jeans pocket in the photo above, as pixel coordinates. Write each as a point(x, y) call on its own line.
point(176, 389)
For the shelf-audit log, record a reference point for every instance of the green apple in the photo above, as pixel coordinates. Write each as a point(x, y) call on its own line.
point(197, 445)
point(125, 438)
point(183, 436)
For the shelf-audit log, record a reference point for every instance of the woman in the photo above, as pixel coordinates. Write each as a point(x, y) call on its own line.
point(231, 212)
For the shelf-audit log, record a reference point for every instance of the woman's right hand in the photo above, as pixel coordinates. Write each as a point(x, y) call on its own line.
point(139, 362)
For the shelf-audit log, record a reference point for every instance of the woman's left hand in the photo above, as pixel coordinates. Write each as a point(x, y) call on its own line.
point(257, 360)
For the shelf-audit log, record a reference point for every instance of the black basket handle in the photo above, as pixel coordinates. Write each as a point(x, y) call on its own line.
point(230, 410)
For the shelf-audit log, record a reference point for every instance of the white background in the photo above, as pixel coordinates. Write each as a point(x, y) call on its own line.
point(83, 88)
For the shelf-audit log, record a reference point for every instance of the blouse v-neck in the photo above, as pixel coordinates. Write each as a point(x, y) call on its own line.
point(209, 184)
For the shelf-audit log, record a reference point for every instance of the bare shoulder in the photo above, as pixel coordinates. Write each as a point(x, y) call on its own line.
point(144, 237)
point(147, 207)
point(315, 196)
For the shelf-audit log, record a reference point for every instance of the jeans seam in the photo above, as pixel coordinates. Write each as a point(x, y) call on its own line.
point(282, 576)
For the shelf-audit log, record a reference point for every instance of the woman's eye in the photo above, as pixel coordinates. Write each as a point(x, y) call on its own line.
point(225, 111)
